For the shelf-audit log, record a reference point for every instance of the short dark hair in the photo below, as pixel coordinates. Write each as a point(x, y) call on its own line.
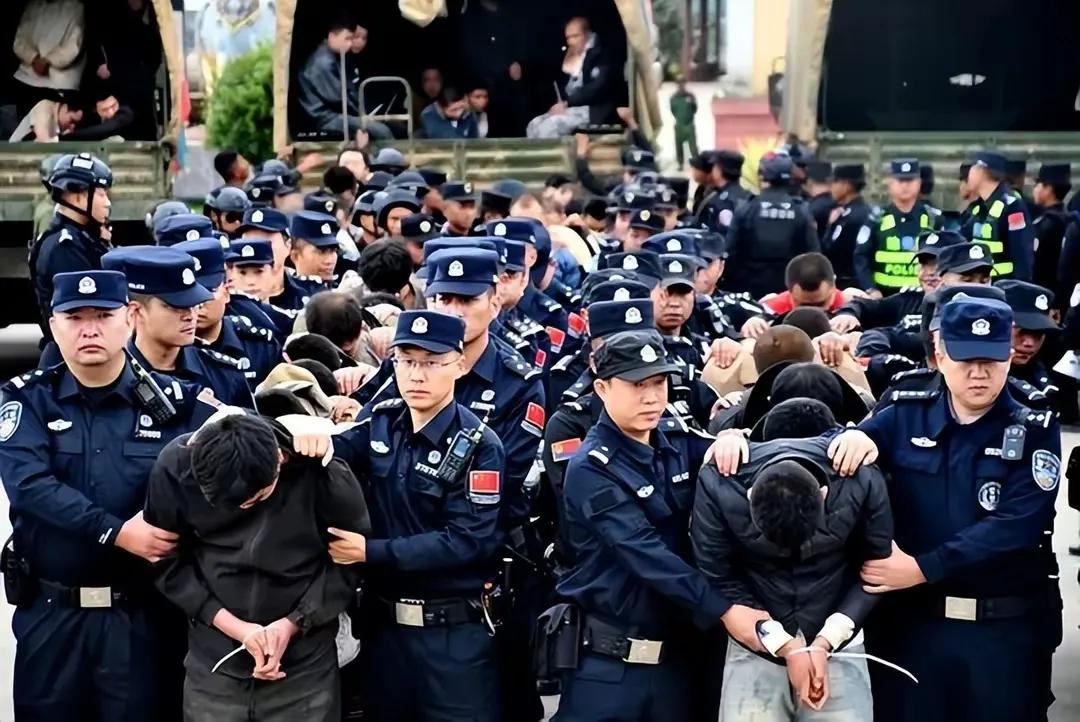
point(786, 504)
point(323, 376)
point(809, 271)
point(475, 84)
point(797, 418)
point(449, 94)
point(334, 315)
point(813, 321)
point(313, 346)
point(338, 179)
point(385, 265)
point(556, 180)
point(233, 458)
point(224, 162)
point(809, 380)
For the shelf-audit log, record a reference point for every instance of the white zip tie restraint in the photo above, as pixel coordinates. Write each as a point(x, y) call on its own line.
point(857, 655)
point(236, 651)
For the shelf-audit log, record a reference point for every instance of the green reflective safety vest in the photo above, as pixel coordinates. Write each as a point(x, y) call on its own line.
point(984, 232)
point(898, 235)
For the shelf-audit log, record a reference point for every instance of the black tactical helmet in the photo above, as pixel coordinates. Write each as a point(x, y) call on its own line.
point(162, 211)
point(78, 173)
point(227, 198)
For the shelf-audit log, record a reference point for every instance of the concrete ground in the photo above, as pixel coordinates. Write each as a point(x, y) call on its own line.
point(18, 345)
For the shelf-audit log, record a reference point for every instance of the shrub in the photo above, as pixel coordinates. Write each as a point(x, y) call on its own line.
point(242, 106)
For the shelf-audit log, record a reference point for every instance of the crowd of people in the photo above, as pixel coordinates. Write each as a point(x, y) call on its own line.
point(410, 450)
point(83, 75)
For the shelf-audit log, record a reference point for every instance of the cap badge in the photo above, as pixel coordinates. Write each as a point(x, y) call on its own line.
point(188, 277)
point(648, 354)
point(87, 285)
point(976, 253)
point(905, 168)
point(425, 226)
point(932, 239)
point(329, 206)
point(455, 269)
point(981, 327)
point(675, 267)
point(192, 235)
point(636, 155)
point(419, 325)
point(255, 193)
point(1042, 302)
point(645, 215)
point(674, 245)
point(621, 294)
point(633, 316)
point(247, 251)
point(325, 228)
point(629, 197)
point(630, 263)
point(467, 187)
point(257, 216)
point(500, 229)
point(198, 264)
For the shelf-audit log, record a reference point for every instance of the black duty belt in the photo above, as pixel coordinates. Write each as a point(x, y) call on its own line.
point(85, 597)
point(599, 637)
point(433, 612)
point(987, 609)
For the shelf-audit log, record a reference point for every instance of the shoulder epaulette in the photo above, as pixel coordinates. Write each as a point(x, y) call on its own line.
point(599, 455)
point(911, 374)
point(33, 377)
point(1031, 393)
point(221, 358)
point(551, 304)
point(574, 405)
point(244, 327)
point(517, 363)
point(562, 364)
point(387, 405)
point(899, 396)
point(1011, 198)
point(908, 289)
point(1038, 419)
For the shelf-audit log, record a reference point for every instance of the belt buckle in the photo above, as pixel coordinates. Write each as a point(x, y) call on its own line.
point(95, 597)
point(643, 651)
point(409, 613)
point(961, 608)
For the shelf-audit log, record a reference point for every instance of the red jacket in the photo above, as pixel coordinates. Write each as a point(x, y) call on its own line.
point(781, 303)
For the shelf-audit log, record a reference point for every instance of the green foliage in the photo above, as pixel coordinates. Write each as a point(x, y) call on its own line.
point(242, 106)
point(667, 14)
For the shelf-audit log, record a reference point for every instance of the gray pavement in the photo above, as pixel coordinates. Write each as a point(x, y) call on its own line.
point(18, 343)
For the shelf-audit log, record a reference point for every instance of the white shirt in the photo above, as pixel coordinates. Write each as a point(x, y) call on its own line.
point(54, 30)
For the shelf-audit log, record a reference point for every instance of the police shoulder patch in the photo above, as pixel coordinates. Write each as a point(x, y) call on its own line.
point(388, 404)
point(10, 416)
point(912, 374)
point(1045, 467)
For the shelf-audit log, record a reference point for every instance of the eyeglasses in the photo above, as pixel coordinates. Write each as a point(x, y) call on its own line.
point(425, 365)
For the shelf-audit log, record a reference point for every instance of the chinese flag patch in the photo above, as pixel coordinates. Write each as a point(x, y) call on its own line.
point(557, 338)
point(1016, 221)
point(483, 482)
point(563, 450)
point(541, 358)
point(534, 419)
point(576, 324)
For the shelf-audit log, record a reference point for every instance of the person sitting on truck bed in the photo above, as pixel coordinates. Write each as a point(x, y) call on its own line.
point(49, 45)
point(109, 119)
point(320, 86)
point(449, 117)
point(47, 121)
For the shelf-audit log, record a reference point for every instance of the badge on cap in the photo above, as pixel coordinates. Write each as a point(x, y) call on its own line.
point(931, 240)
point(329, 206)
point(467, 187)
point(621, 294)
point(500, 229)
point(629, 197)
point(976, 253)
point(633, 315)
point(645, 215)
point(419, 325)
point(636, 155)
point(648, 353)
point(981, 327)
point(905, 168)
point(674, 245)
point(455, 269)
point(1042, 302)
point(630, 263)
point(247, 251)
point(87, 285)
point(425, 226)
point(674, 267)
point(255, 193)
point(188, 277)
point(325, 228)
point(198, 264)
point(257, 216)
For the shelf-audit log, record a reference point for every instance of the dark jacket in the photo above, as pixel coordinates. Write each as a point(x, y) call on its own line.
point(319, 86)
point(262, 563)
point(437, 125)
point(800, 590)
point(596, 88)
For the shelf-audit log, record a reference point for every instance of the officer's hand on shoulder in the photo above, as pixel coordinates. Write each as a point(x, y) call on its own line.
point(844, 323)
point(850, 450)
point(143, 539)
point(724, 351)
point(729, 451)
point(351, 378)
point(754, 327)
point(313, 446)
point(831, 347)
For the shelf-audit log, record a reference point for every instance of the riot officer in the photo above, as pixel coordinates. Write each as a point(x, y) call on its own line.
point(225, 207)
point(970, 600)
point(767, 232)
point(288, 290)
point(999, 219)
point(77, 443)
point(898, 229)
point(436, 475)
point(165, 297)
point(728, 195)
point(854, 225)
point(622, 640)
point(252, 343)
point(1051, 186)
point(74, 240)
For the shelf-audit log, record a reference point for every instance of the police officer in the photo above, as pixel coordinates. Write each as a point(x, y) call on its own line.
point(535, 304)
point(898, 231)
point(998, 218)
point(819, 175)
point(718, 209)
point(182, 227)
point(853, 225)
point(289, 291)
point(1032, 326)
point(767, 232)
point(254, 346)
point(225, 207)
point(165, 297)
point(249, 268)
point(1051, 186)
point(77, 443)
point(314, 251)
point(459, 207)
point(437, 476)
point(631, 590)
point(970, 602)
point(74, 240)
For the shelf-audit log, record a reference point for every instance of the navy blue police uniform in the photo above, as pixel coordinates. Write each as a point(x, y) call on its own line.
point(255, 347)
point(855, 227)
point(169, 275)
point(433, 548)
point(256, 252)
point(974, 504)
point(631, 588)
point(75, 463)
point(296, 290)
point(718, 209)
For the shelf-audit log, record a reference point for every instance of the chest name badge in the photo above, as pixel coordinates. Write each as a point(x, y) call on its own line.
point(379, 447)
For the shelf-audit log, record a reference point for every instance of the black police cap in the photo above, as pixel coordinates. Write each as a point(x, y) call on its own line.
point(1055, 174)
point(632, 356)
point(852, 173)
